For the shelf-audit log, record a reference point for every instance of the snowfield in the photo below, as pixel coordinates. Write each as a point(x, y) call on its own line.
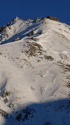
point(35, 72)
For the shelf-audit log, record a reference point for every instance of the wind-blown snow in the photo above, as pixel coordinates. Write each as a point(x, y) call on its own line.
point(35, 73)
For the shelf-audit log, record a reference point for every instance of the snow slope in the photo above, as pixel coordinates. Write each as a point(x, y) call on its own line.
point(35, 73)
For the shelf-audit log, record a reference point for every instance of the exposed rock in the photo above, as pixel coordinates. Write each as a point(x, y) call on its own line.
point(53, 18)
point(3, 113)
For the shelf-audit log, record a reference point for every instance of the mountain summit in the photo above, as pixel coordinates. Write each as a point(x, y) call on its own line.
point(35, 72)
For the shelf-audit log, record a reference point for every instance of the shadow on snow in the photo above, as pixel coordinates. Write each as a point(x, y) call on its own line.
point(20, 35)
point(55, 112)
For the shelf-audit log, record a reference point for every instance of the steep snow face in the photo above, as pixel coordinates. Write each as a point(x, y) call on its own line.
point(35, 73)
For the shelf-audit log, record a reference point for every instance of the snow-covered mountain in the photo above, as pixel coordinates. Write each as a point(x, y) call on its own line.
point(35, 72)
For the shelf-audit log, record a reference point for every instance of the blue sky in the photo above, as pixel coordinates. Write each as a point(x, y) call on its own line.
point(9, 9)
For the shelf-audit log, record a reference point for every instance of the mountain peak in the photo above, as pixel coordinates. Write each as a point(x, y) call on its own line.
point(17, 18)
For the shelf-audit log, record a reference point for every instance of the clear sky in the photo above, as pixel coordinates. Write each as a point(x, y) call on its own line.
point(25, 9)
